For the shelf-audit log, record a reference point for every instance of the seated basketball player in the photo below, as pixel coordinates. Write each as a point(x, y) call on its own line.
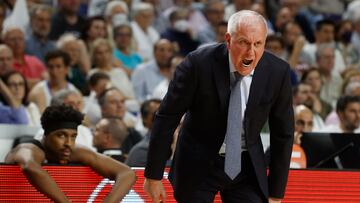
point(58, 147)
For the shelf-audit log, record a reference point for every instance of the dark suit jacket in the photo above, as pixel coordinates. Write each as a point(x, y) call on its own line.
point(201, 89)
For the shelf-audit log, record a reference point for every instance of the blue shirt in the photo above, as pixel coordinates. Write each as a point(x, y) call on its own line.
point(130, 61)
point(11, 115)
point(35, 47)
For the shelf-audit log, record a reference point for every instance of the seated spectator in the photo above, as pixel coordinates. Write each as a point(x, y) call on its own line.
point(123, 51)
point(14, 113)
point(101, 55)
point(148, 75)
point(312, 77)
point(38, 43)
point(30, 66)
point(112, 104)
point(109, 137)
point(138, 154)
point(58, 63)
point(98, 82)
point(58, 147)
point(66, 19)
point(344, 31)
point(6, 59)
point(145, 35)
point(348, 111)
point(94, 28)
point(79, 60)
point(303, 122)
point(18, 87)
point(214, 13)
point(180, 32)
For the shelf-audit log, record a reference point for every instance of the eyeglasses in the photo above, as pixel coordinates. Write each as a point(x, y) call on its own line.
point(16, 84)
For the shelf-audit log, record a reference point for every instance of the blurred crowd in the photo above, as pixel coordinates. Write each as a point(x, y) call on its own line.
point(113, 61)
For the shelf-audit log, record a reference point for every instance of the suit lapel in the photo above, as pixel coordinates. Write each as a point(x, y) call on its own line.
point(258, 84)
point(222, 76)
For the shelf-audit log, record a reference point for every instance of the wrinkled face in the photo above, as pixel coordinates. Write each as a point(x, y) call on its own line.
point(97, 30)
point(114, 104)
point(6, 61)
point(123, 37)
point(59, 145)
point(314, 80)
point(57, 69)
point(100, 133)
point(16, 41)
point(16, 85)
point(163, 53)
point(246, 45)
point(41, 23)
point(102, 55)
point(326, 60)
point(304, 121)
point(350, 118)
point(75, 101)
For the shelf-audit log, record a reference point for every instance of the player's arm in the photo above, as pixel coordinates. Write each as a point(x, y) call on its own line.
point(124, 177)
point(29, 158)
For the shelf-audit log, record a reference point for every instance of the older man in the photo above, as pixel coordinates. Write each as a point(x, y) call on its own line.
point(228, 92)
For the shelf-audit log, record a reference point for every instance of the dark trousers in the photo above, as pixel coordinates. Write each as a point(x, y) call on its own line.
point(243, 189)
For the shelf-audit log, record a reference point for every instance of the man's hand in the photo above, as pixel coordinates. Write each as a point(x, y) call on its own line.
point(155, 189)
point(274, 200)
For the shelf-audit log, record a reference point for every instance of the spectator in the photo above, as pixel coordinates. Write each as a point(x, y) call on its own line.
point(109, 136)
point(58, 147)
point(302, 95)
point(214, 12)
point(331, 80)
point(6, 59)
point(303, 122)
point(38, 43)
point(14, 113)
point(275, 45)
point(348, 111)
point(30, 66)
point(160, 22)
point(79, 60)
point(94, 28)
point(112, 104)
point(58, 63)
point(145, 35)
point(344, 31)
point(66, 19)
point(98, 82)
point(148, 75)
point(312, 77)
point(116, 13)
point(102, 57)
point(138, 154)
point(18, 87)
point(180, 32)
point(325, 34)
point(123, 35)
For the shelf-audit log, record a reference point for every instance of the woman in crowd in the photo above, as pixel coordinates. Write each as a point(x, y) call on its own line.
point(18, 87)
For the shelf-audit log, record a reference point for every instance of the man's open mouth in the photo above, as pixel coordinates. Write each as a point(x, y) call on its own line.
point(246, 63)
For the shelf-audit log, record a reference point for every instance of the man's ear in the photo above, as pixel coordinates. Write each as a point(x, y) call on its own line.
point(227, 39)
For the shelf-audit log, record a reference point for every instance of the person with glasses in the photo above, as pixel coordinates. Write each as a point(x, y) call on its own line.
point(17, 85)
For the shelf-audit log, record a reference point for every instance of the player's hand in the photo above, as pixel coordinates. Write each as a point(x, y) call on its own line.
point(274, 200)
point(155, 190)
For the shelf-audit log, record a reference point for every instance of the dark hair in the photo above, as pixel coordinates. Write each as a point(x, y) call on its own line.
point(96, 77)
point(145, 107)
point(6, 78)
point(57, 54)
point(87, 25)
point(307, 72)
point(275, 38)
point(60, 113)
point(344, 100)
point(123, 25)
point(321, 23)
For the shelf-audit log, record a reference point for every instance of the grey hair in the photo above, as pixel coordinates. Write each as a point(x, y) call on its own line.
point(320, 49)
point(4, 47)
point(243, 16)
point(113, 4)
point(64, 39)
point(40, 7)
point(351, 87)
point(141, 7)
point(59, 97)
